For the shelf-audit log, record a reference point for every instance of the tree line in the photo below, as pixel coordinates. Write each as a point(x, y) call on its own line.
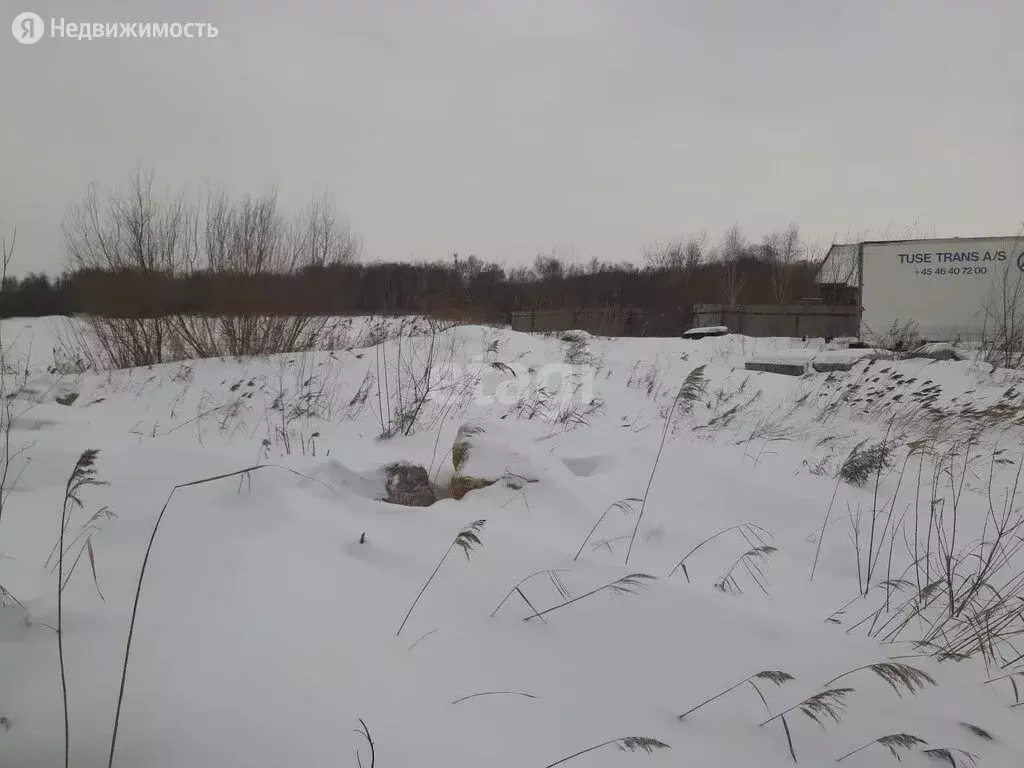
point(138, 254)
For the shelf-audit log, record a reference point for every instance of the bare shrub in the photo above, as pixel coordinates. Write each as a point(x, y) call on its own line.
point(900, 336)
point(565, 403)
point(245, 245)
point(135, 252)
point(577, 350)
point(137, 233)
point(421, 369)
point(301, 395)
point(964, 590)
point(779, 425)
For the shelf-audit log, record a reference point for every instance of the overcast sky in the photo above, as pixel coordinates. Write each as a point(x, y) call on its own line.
point(507, 128)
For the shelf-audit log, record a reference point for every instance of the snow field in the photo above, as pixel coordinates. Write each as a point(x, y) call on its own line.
point(266, 630)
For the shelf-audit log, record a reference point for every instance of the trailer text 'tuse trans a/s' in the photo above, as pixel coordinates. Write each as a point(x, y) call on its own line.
point(953, 289)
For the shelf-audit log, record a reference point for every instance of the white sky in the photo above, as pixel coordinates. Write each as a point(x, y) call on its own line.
point(507, 128)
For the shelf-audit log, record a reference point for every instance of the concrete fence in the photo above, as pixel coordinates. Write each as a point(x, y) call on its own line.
point(608, 321)
point(815, 320)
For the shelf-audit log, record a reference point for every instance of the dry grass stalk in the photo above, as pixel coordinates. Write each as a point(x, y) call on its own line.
point(900, 677)
point(625, 744)
point(829, 704)
point(82, 476)
point(623, 505)
point(142, 575)
point(954, 758)
point(554, 575)
point(494, 693)
point(693, 388)
point(627, 585)
point(753, 534)
point(772, 676)
point(468, 540)
point(750, 561)
point(364, 731)
point(978, 731)
point(894, 742)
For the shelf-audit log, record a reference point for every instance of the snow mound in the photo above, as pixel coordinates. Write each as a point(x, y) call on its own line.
point(705, 331)
point(939, 350)
point(490, 451)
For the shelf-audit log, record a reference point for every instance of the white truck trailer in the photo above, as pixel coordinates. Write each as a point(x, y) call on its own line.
point(953, 289)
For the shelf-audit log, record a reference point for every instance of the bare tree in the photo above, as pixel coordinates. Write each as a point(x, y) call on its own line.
point(731, 252)
point(678, 255)
point(132, 230)
point(664, 256)
point(681, 260)
point(548, 267)
point(325, 241)
point(783, 250)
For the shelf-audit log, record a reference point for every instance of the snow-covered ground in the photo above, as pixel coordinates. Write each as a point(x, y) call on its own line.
point(268, 621)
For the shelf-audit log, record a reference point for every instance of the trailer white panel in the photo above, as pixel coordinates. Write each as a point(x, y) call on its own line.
point(948, 287)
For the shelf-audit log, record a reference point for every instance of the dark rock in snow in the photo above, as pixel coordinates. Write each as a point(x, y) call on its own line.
point(408, 484)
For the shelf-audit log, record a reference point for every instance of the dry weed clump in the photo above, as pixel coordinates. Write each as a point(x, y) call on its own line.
point(957, 593)
point(865, 461)
point(419, 370)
